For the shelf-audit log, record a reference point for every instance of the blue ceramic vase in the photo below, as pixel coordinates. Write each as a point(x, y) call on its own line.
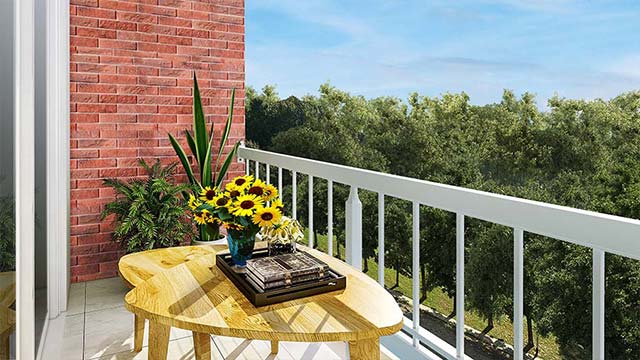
point(240, 247)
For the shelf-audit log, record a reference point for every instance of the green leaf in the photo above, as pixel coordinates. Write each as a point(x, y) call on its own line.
point(227, 162)
point(205, 168)
point(192, 143)
point(183, 159)
point(199, 126)
point(227, 130)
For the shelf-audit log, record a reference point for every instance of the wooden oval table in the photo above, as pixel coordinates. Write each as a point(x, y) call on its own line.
point(197, 296)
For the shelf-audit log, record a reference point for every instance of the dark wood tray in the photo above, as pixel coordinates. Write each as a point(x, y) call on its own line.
point(259, 297)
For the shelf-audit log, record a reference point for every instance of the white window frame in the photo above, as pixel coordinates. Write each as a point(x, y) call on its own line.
point(58, 175)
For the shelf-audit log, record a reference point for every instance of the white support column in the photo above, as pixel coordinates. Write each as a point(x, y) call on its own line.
point(330, 217)
point(280, 181)
point(353, 248)
point(268, 174)
point(459, 286)
point(294, 194)
point(311, 211)
point(257, 170)
point(518, 292)
point(597, 336)
point(247, 166)
point(415, 272)
point(381, 239)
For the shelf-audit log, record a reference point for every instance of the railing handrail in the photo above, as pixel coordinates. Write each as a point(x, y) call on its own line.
point(609, 233)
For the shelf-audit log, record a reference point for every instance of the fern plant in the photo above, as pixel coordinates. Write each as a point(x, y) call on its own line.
point(149, 213)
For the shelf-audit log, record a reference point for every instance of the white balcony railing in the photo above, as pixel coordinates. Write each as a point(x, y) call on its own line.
point(600, 232)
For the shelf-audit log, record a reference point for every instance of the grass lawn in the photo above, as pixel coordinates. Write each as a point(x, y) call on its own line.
point(442, 303)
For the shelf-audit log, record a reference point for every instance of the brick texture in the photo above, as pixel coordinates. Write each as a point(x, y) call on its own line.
point(131, 84)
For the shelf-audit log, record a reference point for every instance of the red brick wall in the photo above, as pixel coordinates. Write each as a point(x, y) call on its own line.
point(131, 83)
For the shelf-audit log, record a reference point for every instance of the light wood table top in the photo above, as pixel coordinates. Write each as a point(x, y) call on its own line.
point(139, 267)
point(197, 296)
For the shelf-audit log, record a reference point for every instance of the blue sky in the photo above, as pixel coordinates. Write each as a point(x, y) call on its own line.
point(577, 49)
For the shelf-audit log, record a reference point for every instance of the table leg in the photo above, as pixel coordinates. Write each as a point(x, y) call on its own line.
point(4, 347)
point(158, 340)
point(367, 349)
point(138, 332)
point(202, 346)
point(274, 347)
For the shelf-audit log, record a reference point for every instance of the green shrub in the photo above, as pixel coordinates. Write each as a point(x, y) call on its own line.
point(149, 213)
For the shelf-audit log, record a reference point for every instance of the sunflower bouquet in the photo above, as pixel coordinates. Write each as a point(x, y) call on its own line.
point(243, 207)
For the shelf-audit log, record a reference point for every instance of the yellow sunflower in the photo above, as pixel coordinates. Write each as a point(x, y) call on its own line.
point(209, 218)
point(277, 203)
point(267, 217)
point(201, 217)
point(257, 188)
point(242, 182)
point(246, 205)
point(221, 201)
point(233, 192)
point(194, 202)
point(208, 193)
point(270, 192)
point(233, 226)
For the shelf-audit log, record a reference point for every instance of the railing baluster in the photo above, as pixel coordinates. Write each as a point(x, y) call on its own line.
point(353, 224)
point(381, 239)
point(257, 170)
point(518, 292)
point(311, 239)
point(597, 331)
point(280, 181)
point(247, 166)
point(268, 174)
point(460, 286)
point(330, 217)
point(294, 194)
point(415, 272)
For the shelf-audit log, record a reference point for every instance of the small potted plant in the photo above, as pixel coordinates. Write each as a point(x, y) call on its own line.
point(283, 236)
point(244, 207)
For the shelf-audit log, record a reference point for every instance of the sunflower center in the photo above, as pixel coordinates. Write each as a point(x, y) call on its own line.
point(266, 216)
point(198, 213)
point(239, 182)
point(222, 201)
point(210, 195)
point(256, 190)
point(234, 193)
point(247, 204)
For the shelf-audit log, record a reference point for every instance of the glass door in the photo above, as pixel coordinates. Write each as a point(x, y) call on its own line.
point(40, 219)
point(7, 183)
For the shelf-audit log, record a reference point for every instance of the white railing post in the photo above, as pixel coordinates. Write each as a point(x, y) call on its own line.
point(294, 194)
point(247, 166)
point(415, 273)
point(330, 217)
point(381, 239)
point(597, 333)
point(311, 239)
point(280, 181)
point(459, 286)
point(353, 219)
point(518, 292)
point(268, 174)
point(257, 170)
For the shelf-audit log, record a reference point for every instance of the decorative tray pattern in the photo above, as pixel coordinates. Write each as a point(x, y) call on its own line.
point(258, 297)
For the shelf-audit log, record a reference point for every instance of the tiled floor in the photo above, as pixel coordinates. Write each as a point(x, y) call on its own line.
point(98, 327)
